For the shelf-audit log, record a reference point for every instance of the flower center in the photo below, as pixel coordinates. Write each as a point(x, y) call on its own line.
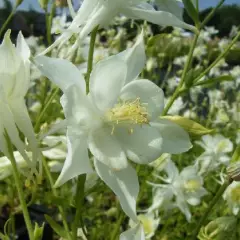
point(128, 112)
point(147, 224)
point(192, 185)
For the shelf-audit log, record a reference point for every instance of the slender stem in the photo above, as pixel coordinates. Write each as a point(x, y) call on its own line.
point(49, 19)
point(38, 122)
point(121, 216)
point(218, 195)
point(223, 54)
point(185, 70)
point(90, 55)
point(50, 179)
point(4, 26)
point(79, 204)
point(20, 190)
point(210, 15)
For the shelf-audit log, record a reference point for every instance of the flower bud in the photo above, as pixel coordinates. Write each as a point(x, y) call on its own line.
point(18, 2)
point(43, 4)
point(190, 126)
point(233, 169)
point(61, 3)
point(219, 229)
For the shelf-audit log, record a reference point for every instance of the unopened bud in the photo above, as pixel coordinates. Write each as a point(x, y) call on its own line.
point(192, 127)
point(219, 229)
point(18, 2)
point(233, 170)
point(61, 3)
point(43, 4)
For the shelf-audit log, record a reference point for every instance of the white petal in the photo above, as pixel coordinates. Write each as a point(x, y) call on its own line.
point(149, 93)
point(135, 233)
point(143, 146)
point(135, 59)
point(78, 109)
point(106, 81)
point(124, 184)
point(7, 120)
point(175, 139)
point(107, 149)
point(77, 161)
point(24, 124)
point(22, 47)
point(61, 72)
point(171, 6)
point(157, 17)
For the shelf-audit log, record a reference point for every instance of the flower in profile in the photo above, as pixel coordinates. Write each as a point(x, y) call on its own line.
point(232, 196)
point(118, 120)
point(93, 13)
point(14, 83)
point(177, 189)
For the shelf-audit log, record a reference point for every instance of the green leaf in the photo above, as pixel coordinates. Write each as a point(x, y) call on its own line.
point(191, 75)
point(212, 81)
point(56, 227)
point(191, 10)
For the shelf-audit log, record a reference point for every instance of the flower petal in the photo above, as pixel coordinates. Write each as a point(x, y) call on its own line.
point(175, 139)
point(77, 161)
point(106, 81)
point(61, 72)
point(157, 17)
point(135, 233)
point(135, 59)
point(124, 184)
point(106, 149)
point(23, 121)
point(149, 94)
point(143, 146)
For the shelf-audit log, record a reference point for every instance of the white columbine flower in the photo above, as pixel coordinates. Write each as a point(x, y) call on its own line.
point(118, 120)
point(216, 149)
point(186, 187)
point(232, 196)
point(14, 84)
point(100, 13)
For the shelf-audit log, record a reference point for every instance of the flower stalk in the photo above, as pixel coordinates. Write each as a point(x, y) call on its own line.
point(19, 189)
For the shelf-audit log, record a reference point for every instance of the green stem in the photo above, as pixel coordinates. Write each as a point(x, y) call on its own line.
point(50, 179)
point(210, 15)
point(20, 190)
point(185, 70)
point(49, 19)
point(38, 122)
point(222, 55)
point(115, 232)
point(79, 204)
point(218, 195)
point(4, 26)
point(90, 56)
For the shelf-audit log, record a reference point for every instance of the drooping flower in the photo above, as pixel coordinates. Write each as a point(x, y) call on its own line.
point(93, 13)
point(178, 189)
point(232, 196)
point(14, 83)
point(116, 121)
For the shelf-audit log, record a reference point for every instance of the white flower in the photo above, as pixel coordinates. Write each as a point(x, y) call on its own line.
point(100, 13)
point(14, 84)
point(215, 148)
point(149, 222)
point(232, 196)
point(116, 121)
point(186, 187)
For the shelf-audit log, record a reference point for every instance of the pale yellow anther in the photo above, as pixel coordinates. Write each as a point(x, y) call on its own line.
point(128, 112)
